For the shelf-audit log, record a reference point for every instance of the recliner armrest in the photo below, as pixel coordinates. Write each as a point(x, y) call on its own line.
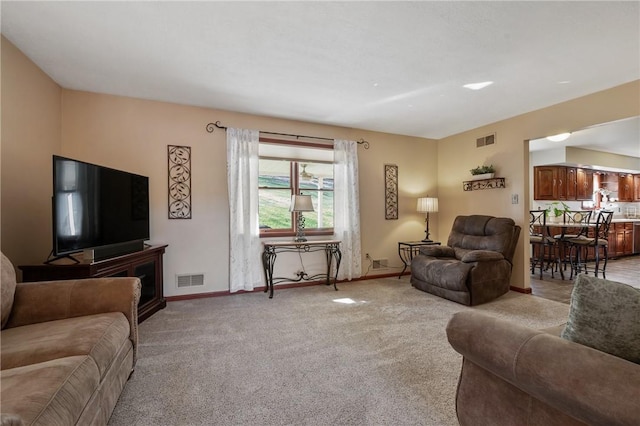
point(481, 255)
point(438, 251)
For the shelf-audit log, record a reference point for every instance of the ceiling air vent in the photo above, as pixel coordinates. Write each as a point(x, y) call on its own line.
point(189, 280)
point(486, 140)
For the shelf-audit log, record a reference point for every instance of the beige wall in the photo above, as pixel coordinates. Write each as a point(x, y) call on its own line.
point(30, 135)
point(457, 154)
point(133, 134)
point(40, 119)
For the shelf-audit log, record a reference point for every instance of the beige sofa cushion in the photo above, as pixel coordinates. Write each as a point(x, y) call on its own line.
point(50, 393)
point(7, 288)
point(99, 336)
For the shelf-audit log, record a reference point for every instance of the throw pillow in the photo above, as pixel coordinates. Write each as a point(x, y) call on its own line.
point(7, 288)
point(605, 315)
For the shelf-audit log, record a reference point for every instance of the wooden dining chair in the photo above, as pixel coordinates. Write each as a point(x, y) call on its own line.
point(572, 218)
point(599, 242)
point(543, 246)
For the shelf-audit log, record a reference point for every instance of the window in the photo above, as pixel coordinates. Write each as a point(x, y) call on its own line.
point(280, 178)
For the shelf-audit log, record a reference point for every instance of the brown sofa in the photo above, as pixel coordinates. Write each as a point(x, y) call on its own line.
point(67, 348)
point(475, 265)
point(514, 375)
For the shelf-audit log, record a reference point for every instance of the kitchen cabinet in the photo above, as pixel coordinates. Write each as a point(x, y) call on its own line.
point(609, 181)
point(584, 184)
point(562, 183)
point(550, 183)
point(619, 249)
point(628, 239)
point(572, 182)
point(620, 239)
point(636, 187)
point(625, 187)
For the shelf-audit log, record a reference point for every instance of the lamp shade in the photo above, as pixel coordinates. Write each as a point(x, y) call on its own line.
point(301, 203)
point(427, 205)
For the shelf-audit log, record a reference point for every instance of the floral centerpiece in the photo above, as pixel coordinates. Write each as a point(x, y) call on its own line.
point(557, 209)
point(605, 194)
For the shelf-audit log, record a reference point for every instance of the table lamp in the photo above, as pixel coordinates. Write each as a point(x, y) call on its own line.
point(301, 203)
point(427, 205)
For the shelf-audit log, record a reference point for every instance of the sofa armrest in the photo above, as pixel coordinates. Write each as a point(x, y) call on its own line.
point(481, 256)
point(437, 251)
point(54, 300)
point(578, 380)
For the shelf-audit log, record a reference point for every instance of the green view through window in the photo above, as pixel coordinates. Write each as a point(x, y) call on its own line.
point(279, 179)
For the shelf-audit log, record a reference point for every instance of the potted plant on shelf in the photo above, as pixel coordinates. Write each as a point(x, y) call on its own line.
point(483, 172)
point(556, 210)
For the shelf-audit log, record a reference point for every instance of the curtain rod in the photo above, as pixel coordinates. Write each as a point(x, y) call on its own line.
point(212, 126)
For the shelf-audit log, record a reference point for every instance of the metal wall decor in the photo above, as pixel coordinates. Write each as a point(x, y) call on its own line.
point(390, 191)
point(179, 181)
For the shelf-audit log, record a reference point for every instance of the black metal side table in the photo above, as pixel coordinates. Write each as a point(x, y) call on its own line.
point(407, 249)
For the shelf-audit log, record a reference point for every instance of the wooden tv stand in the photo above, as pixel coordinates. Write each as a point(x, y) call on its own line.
point(145, 264)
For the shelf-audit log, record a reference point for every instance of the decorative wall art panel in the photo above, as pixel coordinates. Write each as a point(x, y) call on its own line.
point(391, 191)
point(179, 181)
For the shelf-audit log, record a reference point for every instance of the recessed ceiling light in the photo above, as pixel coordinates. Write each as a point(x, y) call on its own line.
point(375, 84)
point(559, 137)
point(478, 86)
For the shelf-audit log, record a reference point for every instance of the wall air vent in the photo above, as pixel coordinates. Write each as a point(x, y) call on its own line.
point(486, 140)
point(380, 263)
point(189, 280)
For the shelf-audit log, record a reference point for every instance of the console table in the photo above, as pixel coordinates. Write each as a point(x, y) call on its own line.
point(331, 249)
point(145, 264)
point(407, 249)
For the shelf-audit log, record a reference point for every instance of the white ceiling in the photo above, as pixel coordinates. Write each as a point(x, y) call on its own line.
point(394, 67)
point(618, 137)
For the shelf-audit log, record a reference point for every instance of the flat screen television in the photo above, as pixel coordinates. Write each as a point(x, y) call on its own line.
point(95, 206)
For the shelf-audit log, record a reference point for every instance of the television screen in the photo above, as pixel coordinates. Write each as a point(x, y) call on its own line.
point(96, 206)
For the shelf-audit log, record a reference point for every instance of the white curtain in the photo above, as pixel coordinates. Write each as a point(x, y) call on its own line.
point(347, 207)
point(245, 264)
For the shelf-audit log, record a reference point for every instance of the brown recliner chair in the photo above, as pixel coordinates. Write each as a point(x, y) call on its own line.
point(475, 266)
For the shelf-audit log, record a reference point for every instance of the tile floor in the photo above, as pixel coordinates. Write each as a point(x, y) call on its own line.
point(625, 270)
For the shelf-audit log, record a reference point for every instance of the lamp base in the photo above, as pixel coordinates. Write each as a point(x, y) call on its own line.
point(427, 240)
point(300, 238)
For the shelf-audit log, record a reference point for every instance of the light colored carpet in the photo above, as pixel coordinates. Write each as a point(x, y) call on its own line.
point(304, 358)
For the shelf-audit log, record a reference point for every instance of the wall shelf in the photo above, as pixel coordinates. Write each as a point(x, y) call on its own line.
point(475, 185)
